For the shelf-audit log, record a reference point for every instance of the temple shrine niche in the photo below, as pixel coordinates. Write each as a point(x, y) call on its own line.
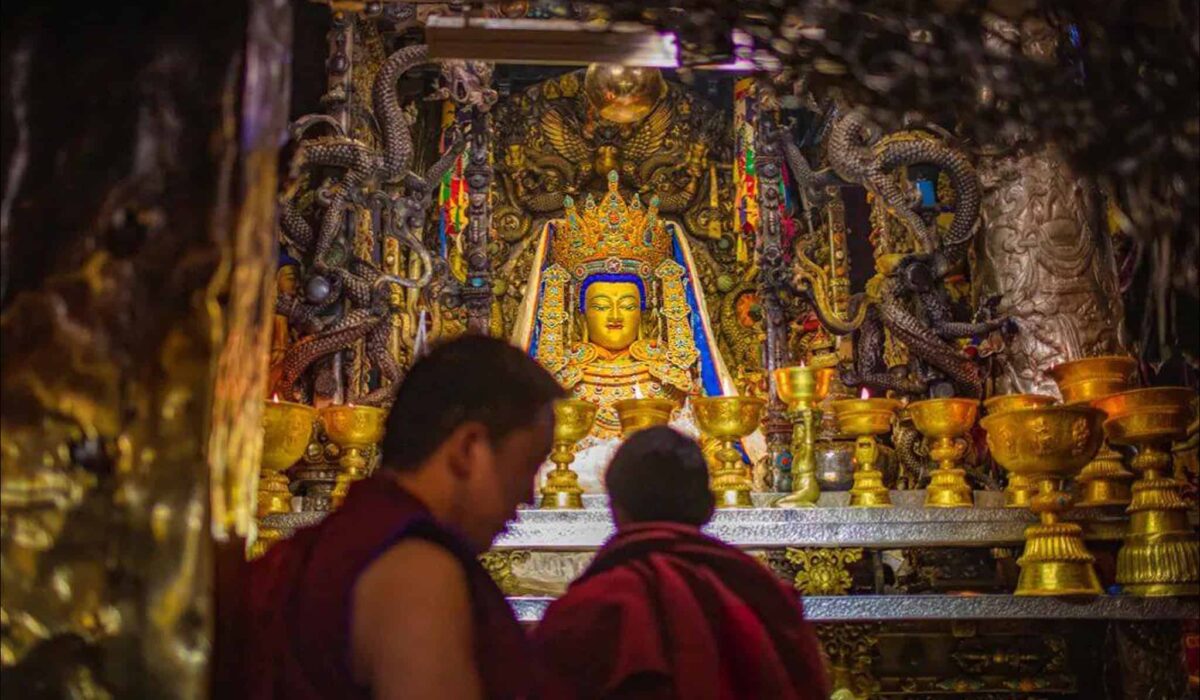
point(905, 348)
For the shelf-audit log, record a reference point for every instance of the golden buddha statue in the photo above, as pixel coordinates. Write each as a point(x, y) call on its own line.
point(613, 309)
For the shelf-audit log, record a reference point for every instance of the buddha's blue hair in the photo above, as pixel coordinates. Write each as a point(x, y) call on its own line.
point(612, 277)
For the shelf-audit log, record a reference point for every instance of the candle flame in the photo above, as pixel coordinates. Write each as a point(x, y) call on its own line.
point(802, 365)
point(350, 404)
point(864, 394)
point(275, 397)
point(637, 392)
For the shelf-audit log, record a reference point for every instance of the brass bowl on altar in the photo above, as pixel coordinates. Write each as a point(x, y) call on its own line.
point(1052, 441)
point(1146, 415)
point(287, 429)
point(1020, 489)
point(1093, 377)
point(1049, 444)
point(800, 386)
point(943, 418)
point(1015, 402)
point(354, 426)
point(573, 420)
point(865, 416)
point(944, 422)
point(639, 414)
point(1160, 555)
point(728, 418)
point(355, 429)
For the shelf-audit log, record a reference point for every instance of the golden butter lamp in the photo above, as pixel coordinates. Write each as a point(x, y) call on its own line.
point(573, 420)
point(639, 414)
point(802, 388)
point(1047, 445)
point(729, 419)
point(1020, 489)
point(1161, 555)
point(864, 419)
point(354, 429)
point(1104, 481)
point(287, 429)
point(944, 422)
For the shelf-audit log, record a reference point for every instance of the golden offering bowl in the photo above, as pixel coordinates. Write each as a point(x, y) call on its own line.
point(639, 414)
point(945, 422)
point(1020, 489)
point(729, 419)
point(287, 429)
point(1093, 377)
point(1103, 482)
point(1141, 416)
point(803, 388)
point(864, 419)
point(1050, 441)
point(354, 429)
point(1160, 556)
point(1014, 402)
point(623, 94)
point(573, 420)
point(1049, 444)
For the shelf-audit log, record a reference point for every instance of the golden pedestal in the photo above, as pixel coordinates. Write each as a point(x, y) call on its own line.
point(864, 419)
point(639, 414)
point(729, 419)
point(1161, 555)
point(802, 389)
point(287, 428)
point(1020, 489)
point(354, 429)
point(1048, 444)
point(573, 420)
point(945, 422)
point(1104, 481)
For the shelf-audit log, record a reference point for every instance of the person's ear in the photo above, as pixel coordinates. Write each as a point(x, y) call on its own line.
point(465, 449)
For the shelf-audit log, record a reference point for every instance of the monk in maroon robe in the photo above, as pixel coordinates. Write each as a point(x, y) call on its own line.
point(664, 611)
point(385, 598)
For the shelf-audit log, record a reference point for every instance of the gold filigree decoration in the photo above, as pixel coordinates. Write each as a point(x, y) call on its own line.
point(681, 345)
point(823, 571)
point(499, 565)
point(553, 315)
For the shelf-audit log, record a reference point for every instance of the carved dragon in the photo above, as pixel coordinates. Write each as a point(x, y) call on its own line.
point(906, 296)
point(347, 300)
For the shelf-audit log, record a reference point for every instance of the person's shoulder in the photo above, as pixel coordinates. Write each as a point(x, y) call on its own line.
point(417, 559)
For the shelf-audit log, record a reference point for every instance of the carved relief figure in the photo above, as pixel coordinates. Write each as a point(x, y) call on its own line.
point(1043, 250)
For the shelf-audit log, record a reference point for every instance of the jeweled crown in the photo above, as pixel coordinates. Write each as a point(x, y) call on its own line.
point(611, 236)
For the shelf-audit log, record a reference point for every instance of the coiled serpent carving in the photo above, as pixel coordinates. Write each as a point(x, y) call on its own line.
point(914, 285)
point(346, 299)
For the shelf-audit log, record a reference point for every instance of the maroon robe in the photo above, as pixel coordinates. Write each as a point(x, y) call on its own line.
point(301, 593)
point(665, 611)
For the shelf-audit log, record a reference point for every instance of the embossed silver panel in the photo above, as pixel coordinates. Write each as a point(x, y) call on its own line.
point(1044, 248)
point(906, 525)
point(948, 607)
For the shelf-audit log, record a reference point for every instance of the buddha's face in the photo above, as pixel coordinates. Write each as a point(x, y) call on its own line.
point(613, 311)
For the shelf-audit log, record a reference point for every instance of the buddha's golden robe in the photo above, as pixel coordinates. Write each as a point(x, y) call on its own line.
point(594, 374)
